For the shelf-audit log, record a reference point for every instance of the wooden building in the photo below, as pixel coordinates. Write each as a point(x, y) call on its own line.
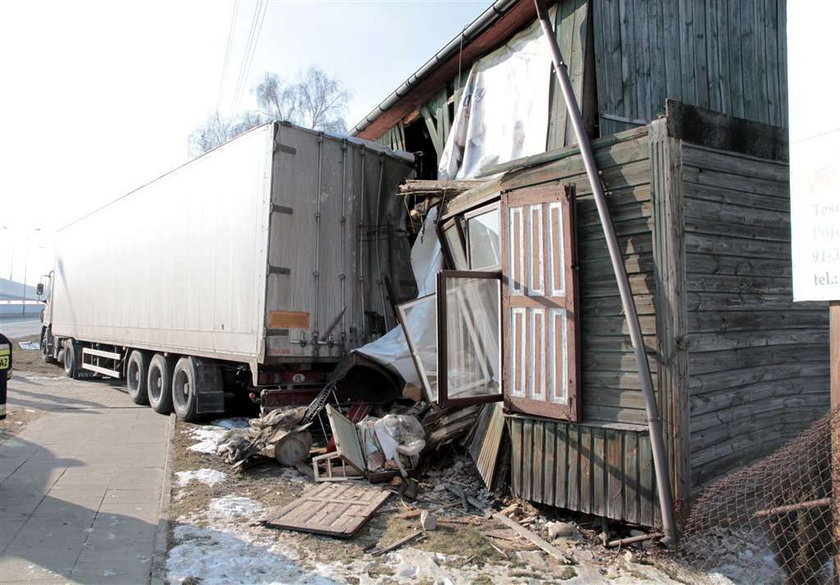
point(698, 192)
point(700, 205)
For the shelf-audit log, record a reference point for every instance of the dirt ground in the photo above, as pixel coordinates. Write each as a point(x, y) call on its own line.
point(30, 360)
point(26, 362)
point(466, 547)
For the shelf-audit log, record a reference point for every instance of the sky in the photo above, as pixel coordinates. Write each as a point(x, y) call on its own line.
point(100, 97)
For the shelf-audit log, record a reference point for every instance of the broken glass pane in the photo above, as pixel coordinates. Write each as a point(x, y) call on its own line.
point(484, 236)
point(419, 321)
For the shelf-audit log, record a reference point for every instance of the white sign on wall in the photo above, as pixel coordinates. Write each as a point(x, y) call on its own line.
point(814, 153)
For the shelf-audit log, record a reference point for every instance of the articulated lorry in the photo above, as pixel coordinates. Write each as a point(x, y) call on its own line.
point(255, 267)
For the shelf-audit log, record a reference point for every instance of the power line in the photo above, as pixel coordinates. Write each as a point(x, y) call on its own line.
point(227, 53)
point(250, 49)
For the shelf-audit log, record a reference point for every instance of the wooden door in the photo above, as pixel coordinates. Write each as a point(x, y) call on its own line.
point(539, 308)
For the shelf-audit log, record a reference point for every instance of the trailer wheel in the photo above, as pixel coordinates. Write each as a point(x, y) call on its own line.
point(159, 384)
point(136, 374)
point(185, 390)
point(72, 353)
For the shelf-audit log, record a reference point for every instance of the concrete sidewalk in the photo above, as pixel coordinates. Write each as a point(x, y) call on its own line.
point(80, 487)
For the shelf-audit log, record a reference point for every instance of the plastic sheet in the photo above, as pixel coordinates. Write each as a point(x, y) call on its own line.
point(503, 112)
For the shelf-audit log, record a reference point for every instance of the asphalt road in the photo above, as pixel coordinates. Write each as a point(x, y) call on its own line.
point(19, 328)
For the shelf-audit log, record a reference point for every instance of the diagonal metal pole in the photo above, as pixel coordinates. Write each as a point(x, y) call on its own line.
point(660, 462)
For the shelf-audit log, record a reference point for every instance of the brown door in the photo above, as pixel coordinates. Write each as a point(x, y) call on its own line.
point(539, 311)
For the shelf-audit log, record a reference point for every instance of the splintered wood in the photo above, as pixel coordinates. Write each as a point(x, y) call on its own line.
point(330, 509)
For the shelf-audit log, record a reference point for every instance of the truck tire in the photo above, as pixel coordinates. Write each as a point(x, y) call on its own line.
point(159, 384)
point(136, 375)
point(46, 354)
point(72, 359)
point(185, 390)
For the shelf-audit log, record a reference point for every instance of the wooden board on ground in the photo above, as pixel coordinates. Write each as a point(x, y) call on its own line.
point(330, 509)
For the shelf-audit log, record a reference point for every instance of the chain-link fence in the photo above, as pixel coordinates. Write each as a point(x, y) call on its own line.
point(770, 523)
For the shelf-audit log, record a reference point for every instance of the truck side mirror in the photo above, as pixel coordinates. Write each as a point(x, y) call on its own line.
point(39, 290)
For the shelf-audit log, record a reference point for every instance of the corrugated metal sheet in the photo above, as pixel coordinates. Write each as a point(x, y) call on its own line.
point(585, 468)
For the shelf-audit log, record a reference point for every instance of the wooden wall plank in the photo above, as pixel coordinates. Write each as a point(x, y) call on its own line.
point(631, 473)
point(527, 461)
point(599, 472)
point(573, 481)
point(614, 462)
point(563, 466)
point(647, 484)
point(585, 470)
point(670, 299)
point(549, 474)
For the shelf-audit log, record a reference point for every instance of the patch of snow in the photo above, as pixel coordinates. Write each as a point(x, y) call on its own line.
point(208, 439)
point(220, 558)
point(206, 476)
point(29, 345)
point(234, 507)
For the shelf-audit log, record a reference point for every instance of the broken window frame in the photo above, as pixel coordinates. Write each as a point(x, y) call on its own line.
point(470, 216)
point(443, 365)
point(453, 255)
point(431, 396)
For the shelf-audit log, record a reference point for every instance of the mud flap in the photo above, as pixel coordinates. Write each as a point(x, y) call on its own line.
point(210, 388)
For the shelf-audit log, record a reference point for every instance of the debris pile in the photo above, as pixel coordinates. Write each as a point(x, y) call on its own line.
point(280, 430)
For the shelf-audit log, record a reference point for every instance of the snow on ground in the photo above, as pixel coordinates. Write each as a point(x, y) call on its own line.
point(232, 508)
point(208, 439)
point(206, 476)
point(223, 558)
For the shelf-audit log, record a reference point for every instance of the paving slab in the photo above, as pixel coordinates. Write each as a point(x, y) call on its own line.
point(81, 486)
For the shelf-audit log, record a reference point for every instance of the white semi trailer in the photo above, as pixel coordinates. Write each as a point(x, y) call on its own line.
point(256, 266)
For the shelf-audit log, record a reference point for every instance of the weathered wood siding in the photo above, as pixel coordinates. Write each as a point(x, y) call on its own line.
point(587, 468)
point(604, 465)
point(571, 27)
point(610, 386)
point(726, 56)
point(758, 364)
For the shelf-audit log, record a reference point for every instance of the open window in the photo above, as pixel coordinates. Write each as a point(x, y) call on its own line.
point(419, 324)
point(469, 308)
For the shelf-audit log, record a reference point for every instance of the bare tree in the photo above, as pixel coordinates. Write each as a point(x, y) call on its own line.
point(277, 98)
point(315, 100)
point(323, 101)
point(217, 130)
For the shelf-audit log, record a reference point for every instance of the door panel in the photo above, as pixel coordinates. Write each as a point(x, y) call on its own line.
point(539, 302)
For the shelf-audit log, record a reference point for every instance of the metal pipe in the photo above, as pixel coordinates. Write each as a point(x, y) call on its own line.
point(660, 462)
point(633, 539)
